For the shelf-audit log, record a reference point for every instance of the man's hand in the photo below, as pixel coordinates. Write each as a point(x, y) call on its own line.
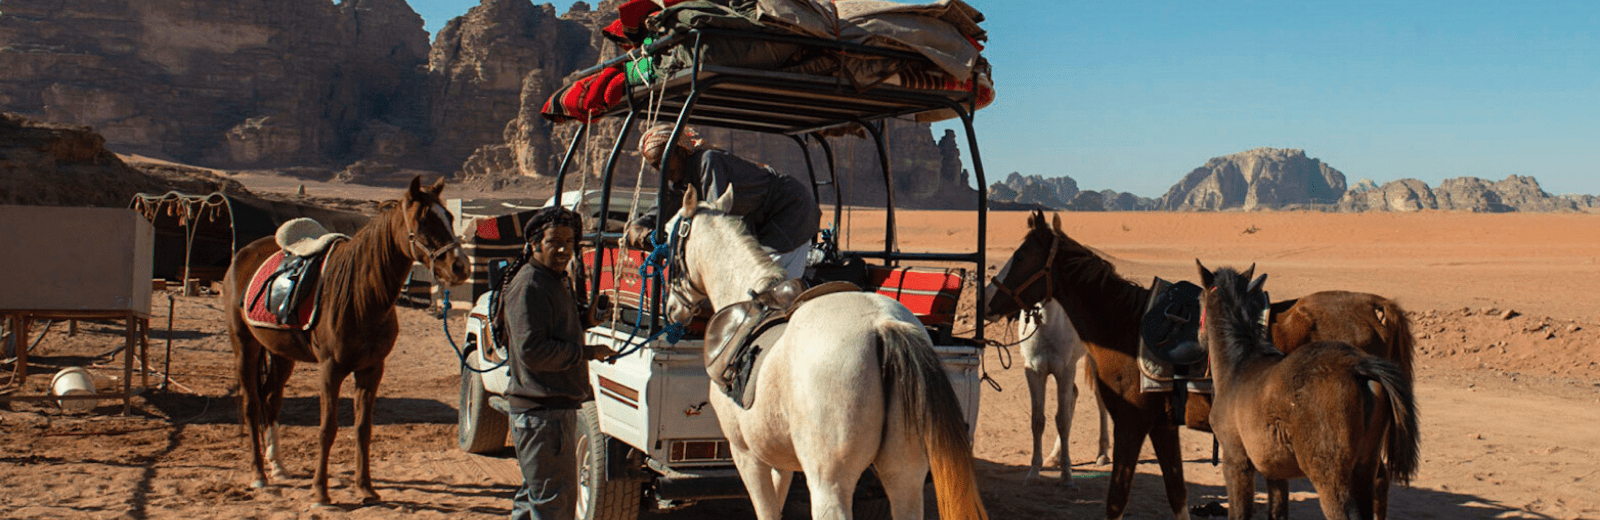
point(637, 236)
point(601, 352)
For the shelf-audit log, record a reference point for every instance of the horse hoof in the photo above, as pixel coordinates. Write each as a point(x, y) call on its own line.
point(1032, 476)
point(1103, 460)
point(259, 483)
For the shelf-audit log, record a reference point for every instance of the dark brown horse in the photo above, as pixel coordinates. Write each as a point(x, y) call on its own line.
point(354, 333)
point(1106, 310)
point(1326, 411)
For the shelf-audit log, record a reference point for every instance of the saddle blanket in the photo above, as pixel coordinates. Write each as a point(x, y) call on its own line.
point(256, 311)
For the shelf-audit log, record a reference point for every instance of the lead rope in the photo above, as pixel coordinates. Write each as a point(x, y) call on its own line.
point(657, 96)
point(1004, 352)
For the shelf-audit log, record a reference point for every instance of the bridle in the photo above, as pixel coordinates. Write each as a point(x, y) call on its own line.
point(1049, 281)
point(678, 273)
point(431, 254)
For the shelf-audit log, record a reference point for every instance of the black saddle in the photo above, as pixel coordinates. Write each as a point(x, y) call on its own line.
point(290, 285)
point(1170, 328)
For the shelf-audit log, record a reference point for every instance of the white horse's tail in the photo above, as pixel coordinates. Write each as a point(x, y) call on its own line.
point(911, 370)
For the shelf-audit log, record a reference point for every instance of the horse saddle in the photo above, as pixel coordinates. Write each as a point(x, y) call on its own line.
point(305, 237)
point(737, 335)
point(1169, 337)
point(282, 293)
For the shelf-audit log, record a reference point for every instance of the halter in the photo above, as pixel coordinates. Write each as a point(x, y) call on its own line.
point(1049, 281)
point(430, 254)
point(678, 244)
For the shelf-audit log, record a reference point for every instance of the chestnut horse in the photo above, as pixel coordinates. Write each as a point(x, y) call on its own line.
point(1326, 411)
point(355, 331)
point(1106, 310)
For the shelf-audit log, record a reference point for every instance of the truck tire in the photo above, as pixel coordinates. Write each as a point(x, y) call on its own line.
point(600, 498)
point(479, 428)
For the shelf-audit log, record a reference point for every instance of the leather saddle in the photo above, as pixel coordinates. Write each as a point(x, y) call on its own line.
point(737, 335)
point(1170, 328)
point(288, 287)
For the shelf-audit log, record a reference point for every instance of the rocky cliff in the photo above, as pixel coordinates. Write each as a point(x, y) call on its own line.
point(45, 164)
point(1263, 178)
point(246, 83)
point(1515, 193)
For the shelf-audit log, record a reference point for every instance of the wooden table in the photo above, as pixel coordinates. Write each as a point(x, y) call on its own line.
point(137, 342)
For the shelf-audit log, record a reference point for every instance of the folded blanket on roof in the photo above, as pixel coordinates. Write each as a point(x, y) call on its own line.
point(587, 97)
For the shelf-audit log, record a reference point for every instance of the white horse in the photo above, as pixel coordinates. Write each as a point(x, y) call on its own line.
point(1050, 347)
point(825, 403)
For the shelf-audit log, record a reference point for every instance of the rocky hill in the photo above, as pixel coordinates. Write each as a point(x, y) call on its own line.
point(1515, 193)
point(1263, 178)
point(1063, 193)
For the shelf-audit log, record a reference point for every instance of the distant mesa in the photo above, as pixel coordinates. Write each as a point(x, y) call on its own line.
point(1517, 193)
point(1263, 178)
point(1061, 193)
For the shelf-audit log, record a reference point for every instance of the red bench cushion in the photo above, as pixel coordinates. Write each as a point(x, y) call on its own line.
point(930, 293)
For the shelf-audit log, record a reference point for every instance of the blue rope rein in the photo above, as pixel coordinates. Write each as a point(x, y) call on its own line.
point(653, 268)
point(459, 353)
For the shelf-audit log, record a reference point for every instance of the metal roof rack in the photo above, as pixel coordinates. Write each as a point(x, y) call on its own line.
point(801, 106)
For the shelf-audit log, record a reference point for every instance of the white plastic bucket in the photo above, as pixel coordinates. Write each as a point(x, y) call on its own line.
point(74, 381)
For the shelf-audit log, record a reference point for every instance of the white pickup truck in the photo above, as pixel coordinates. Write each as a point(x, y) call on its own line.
point(649, 440)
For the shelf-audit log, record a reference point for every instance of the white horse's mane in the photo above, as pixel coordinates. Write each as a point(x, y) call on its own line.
point(742, 264)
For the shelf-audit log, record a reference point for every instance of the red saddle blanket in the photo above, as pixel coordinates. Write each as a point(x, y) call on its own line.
point(255, 303)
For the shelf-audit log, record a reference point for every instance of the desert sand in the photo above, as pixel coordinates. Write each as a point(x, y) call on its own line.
point(1510, 401)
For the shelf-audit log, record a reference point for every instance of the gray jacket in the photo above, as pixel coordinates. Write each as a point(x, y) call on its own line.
point(778, 209)
point(549, 366)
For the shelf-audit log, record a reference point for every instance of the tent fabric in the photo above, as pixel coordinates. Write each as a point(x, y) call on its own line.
point(196, 235)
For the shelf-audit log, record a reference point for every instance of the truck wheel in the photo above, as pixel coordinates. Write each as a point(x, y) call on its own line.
point(600, 498)
point(479, 428)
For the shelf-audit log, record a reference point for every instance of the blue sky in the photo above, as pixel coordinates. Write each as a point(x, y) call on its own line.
point(1133, 95)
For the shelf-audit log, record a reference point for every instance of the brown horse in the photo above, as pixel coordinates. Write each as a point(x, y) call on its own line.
point(1326, 411)
point(354, 333)
point(1106, 310)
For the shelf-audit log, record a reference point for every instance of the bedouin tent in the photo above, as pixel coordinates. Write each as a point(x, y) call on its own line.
point(196, 235)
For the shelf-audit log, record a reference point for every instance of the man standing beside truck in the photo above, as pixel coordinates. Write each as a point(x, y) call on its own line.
point(549, 364)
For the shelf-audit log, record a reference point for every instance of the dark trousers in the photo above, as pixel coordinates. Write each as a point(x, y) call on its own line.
point(546, 440)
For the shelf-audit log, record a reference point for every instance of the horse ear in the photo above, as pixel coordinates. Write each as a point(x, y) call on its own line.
point(436, 188)
point(1056, 221)
point(1249, 273)
point(415, 189)
point(1256, 285)
point(724, 202)
point(691, 201)
point(1207, 279)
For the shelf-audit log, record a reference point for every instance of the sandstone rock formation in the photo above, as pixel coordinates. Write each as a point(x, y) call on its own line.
point(244, 83)
point(1062, 193)
point(1515, 193)
point(1257, 179)
point(46, 164)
